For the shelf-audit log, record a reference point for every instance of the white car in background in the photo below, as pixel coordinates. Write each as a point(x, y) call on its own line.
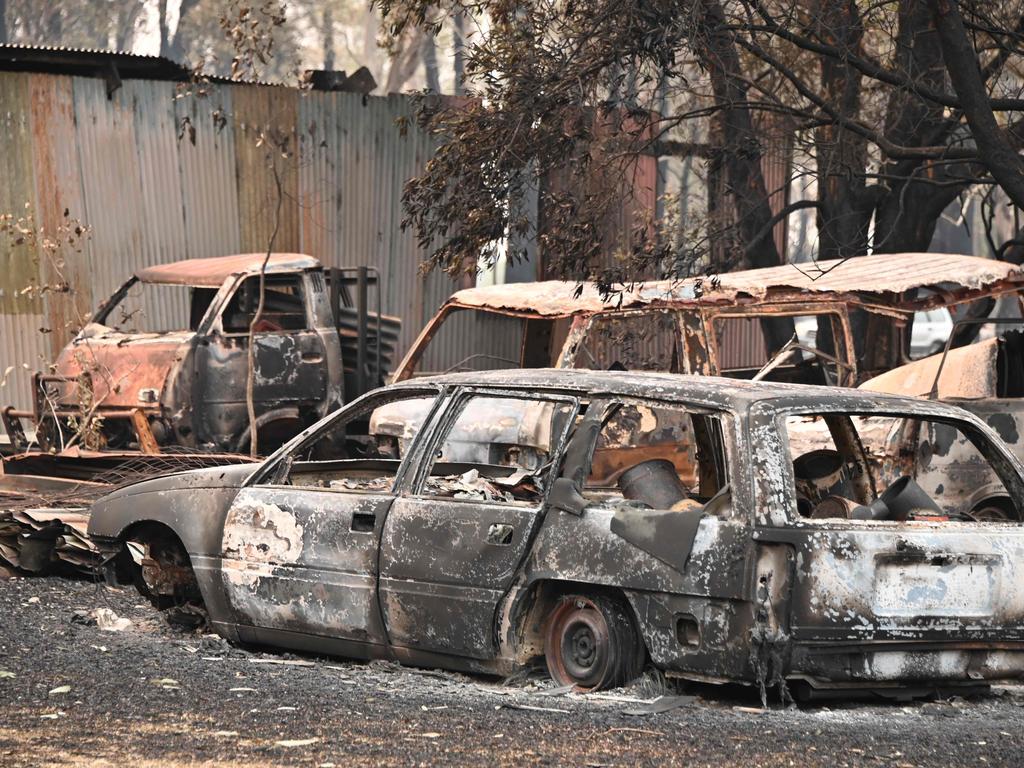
point(931, 329)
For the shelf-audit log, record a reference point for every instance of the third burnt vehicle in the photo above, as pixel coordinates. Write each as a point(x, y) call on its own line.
point(722, 530)
point(713, 325)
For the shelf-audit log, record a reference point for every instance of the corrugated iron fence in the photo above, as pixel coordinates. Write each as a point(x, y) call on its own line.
point(151, 196)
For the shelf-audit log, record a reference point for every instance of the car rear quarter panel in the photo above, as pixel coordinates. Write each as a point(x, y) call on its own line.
point(713, 586)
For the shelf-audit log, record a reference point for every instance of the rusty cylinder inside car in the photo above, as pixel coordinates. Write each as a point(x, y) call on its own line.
point(653, 482)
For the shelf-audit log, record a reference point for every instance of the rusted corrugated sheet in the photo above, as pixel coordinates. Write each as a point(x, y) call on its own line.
point(209, 188)
point(111, 183)
point(21, 342)
point(741, 343)
point(59, 190)
point(19, 266)
point(264, 121)
point(354, 162)
point(156, 151)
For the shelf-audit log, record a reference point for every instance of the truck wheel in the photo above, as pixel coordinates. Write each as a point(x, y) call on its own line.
point(592, 644)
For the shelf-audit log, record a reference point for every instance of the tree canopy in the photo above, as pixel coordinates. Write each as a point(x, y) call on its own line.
point(885, 112)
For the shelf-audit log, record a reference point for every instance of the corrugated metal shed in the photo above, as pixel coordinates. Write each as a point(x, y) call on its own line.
point(150, 195)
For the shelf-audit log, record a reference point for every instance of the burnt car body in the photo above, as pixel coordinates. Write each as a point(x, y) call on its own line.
point(165, 360)
point(711, 325)
point(646, 515)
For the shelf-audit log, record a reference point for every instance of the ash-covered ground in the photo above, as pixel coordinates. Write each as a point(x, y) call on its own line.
point(147, 695)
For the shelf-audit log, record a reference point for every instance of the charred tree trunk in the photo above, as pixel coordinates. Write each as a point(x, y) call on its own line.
point(844, 211)
point(429, 53)
point(740, 157)
point(910, 202)
point(165, 39)
point(371, 53)
point(405, 61)
point(174, 46)
point(55, 26)
point(994, 149)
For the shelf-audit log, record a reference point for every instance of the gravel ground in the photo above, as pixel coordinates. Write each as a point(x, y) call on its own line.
point(73, 694)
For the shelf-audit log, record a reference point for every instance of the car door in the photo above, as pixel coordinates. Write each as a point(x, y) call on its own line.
point(451, 547)
point(299, 548)
point(290, 378)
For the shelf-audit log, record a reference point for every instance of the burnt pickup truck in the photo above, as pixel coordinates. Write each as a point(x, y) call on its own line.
point(720, 530)
point(165, 361)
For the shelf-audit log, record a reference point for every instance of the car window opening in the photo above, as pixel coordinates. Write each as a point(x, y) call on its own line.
point(499, 449)
point(635, 341)
point(481, 340)
point(157, 308)
point(893, 468)
point(284, 308)
point(361, 451)
point(654, 457)
point(816, 354)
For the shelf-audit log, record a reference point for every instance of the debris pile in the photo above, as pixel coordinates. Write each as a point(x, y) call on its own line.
point(45, 501)
point(42, 540)
point(520, 485)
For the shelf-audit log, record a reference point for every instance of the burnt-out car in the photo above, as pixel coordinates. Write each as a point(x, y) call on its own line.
point(724, 325)
point(721, 530)
point(985, 378)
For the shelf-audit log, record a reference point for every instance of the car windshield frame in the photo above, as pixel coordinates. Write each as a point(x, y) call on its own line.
point(118, 298)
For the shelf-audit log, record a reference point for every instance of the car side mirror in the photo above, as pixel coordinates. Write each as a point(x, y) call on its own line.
point(565, 495)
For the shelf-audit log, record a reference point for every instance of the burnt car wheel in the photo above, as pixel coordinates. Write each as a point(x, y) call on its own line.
point(165, 576)
point(592, 644)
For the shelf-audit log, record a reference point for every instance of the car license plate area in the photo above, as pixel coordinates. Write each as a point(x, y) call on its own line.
point(936, 585)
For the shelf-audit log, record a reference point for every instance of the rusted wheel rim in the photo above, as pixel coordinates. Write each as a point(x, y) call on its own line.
point(581, 644)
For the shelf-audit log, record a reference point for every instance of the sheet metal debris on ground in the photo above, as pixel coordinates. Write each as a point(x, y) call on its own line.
point(45, 501)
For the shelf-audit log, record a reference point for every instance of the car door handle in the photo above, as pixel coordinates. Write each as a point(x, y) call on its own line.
point(500, 534)
point(363, 522)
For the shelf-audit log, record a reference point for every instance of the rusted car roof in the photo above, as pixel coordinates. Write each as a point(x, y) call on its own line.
point(212, 272)
point(868, 277)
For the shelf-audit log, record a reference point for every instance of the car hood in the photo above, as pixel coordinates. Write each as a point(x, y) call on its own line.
point(121, 366)
point(968, 372)
point(230, 476)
